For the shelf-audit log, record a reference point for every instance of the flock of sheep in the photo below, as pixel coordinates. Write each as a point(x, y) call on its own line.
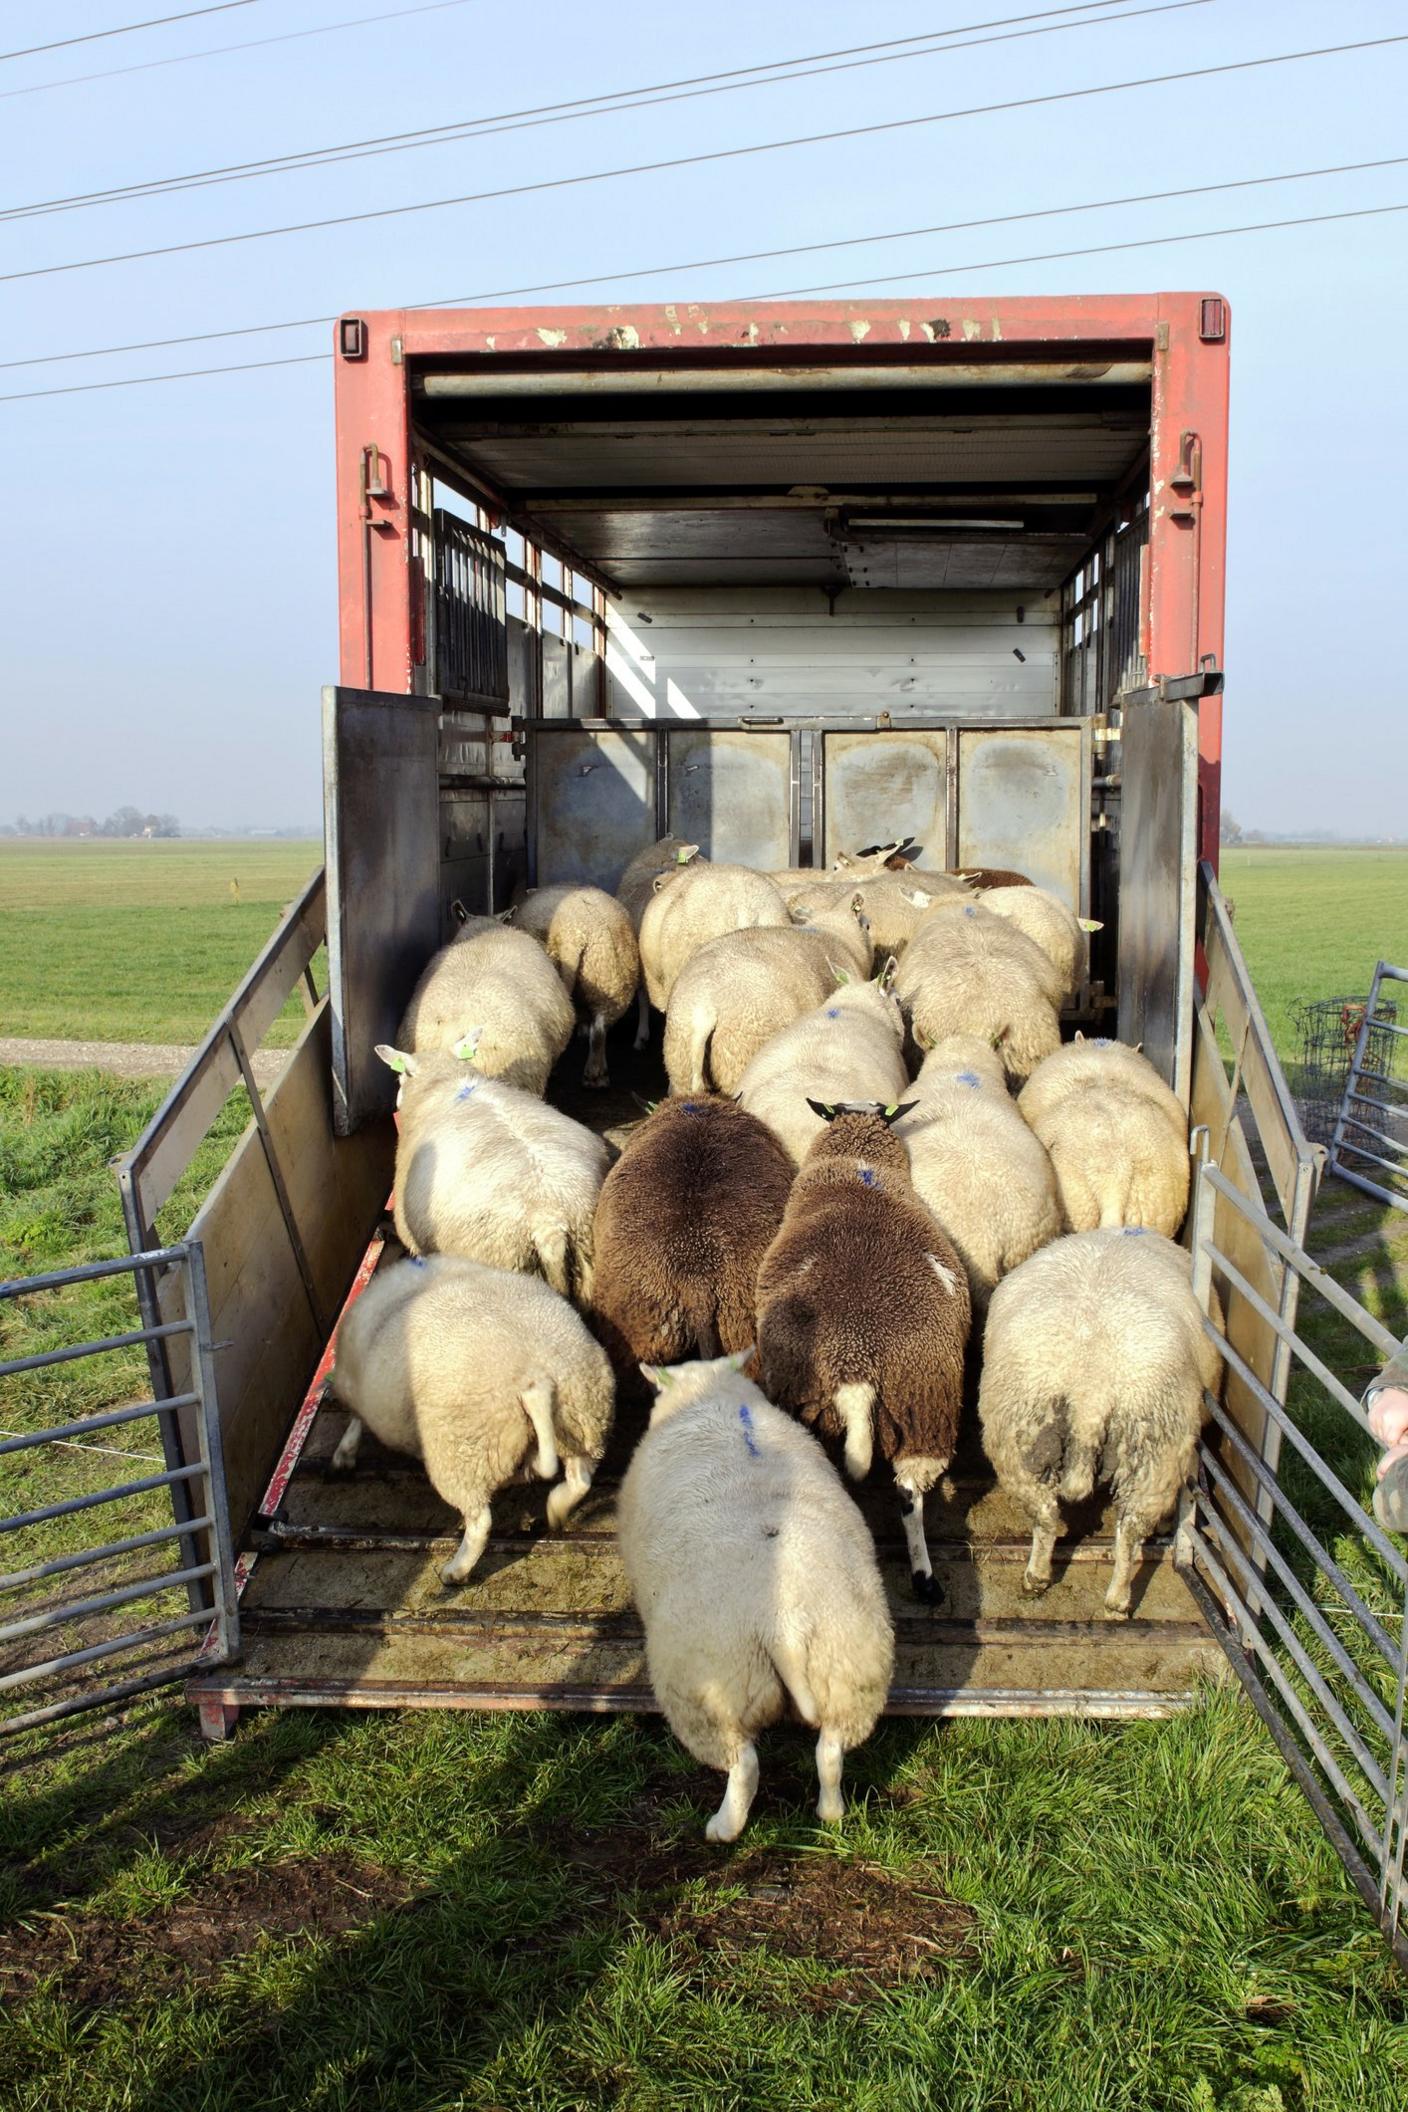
point(841, 1196)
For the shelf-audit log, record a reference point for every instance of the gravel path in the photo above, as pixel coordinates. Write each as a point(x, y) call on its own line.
point(125, 1059)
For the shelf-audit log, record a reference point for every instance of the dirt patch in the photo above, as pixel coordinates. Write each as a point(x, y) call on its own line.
point(124, 1059)
point(99, 1959)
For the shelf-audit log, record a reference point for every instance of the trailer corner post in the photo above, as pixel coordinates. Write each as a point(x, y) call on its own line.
point(375, 491)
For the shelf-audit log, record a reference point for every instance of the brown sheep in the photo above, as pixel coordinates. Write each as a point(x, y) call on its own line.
point(684, 1218)
point(863, 1314)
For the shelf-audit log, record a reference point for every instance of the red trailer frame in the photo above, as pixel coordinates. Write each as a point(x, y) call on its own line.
point(1185, 336)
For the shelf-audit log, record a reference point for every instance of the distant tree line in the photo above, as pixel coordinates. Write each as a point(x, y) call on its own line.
point(127, 821)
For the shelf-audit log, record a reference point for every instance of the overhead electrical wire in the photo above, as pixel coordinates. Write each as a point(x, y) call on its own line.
point(126, 29)
point(747, 256)
point(766, 74)
point(1206, 234)
point(219, 51)
point(718, 154)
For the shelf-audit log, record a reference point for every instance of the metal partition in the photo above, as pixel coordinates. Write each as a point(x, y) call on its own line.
point(1307, 1595)
point(117, 1604)
point(1370, 1144)
point(599, 790)
point(1158, 822)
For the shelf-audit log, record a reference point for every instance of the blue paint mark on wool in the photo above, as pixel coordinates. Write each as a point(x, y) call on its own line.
point(417, 1261)
point(967, 1078)
point(1132, 1231)
point(869, 1178)
point(690, 1107)
point(833, 1011)
point(465, 1091)
point(970, 911)
point(1102, 1041)
point(745, 1417)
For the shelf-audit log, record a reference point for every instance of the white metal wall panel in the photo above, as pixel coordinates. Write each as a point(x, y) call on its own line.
point(1024, 802)
point(732, 794)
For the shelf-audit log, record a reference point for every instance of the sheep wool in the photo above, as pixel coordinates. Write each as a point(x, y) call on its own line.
point(1098, 1062)
point(1116, 1158)
point(966, 971)
point(486, 1171)
point(849, 1048)
point(756, 1581)
point(684, 1219)
point(474, 1372)
point(591, 941)
point(502, 983)
point(702, 903)
point(1049, 924)
point(650, 870)
point(1095, 1361)
point(863, 1315)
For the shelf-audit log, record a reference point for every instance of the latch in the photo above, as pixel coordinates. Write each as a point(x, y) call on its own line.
point(1187, 479)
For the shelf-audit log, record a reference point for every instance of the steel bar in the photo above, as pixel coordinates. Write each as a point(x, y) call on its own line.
point(46, 1357)
point(106, 1421)
point(90, 1271)
point(1323, 1560)
point(1333, 1386)
point(1309, 1271)
point(27, 1673)
point(89, 1555)
point(208, 1424)
point(175, 1477)
point(102, 1698)
point(101, 1602)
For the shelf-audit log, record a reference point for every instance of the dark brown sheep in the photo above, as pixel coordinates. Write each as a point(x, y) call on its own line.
point(863, 1314)
point(683, 1220)
point(983, 877)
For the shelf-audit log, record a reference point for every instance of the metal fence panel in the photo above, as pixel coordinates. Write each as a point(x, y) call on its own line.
point(1369, 1147)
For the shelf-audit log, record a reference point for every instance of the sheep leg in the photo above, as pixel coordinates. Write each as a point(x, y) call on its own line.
point(1129, 1553)
point(344, 1459)
point(830, 1805)
point(1037, 1575)
point(471, 1547)
point(643, 1020)
point(921, 1570)
point(595, 1074)
point(536, 1403)
point(732, 1815)
point(564, 1499)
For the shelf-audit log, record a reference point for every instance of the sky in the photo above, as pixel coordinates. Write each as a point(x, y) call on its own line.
point(169, 578)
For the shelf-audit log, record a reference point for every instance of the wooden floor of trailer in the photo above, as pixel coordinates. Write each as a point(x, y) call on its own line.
point(343, 1605)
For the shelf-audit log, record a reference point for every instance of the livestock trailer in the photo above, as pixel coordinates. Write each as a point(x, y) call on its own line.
point(784, 580)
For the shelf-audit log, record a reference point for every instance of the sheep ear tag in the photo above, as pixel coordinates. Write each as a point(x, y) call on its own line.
point(659, 1375)
point(739, 1359)
point(887, 974)
point(841, 976)
point(894, 1114)
point(1090, 924)
point(465, 1047)
point(394, 1059)
point(819, 1107)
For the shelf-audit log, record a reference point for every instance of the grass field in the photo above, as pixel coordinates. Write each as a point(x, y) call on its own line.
point(519, 1914)
point(138, 941)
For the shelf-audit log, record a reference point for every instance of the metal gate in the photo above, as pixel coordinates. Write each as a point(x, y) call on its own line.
point(156, 1583)
point(1307, 1595)
point(1370, 1144)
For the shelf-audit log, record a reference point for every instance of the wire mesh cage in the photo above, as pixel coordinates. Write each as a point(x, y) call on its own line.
point(1327, 1029)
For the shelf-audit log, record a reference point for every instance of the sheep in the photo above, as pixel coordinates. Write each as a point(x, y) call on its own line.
point(684, 1218)
point(848, 1048)
point(590, 938)
point(732, 996)
point(1098, 1062)
point(756, 1581)
point(977, 1165)
point(967, 971)
point(895, 903)
point(502, 982)
point(647, 872)
point(487, 1171)
point(1116, 1158)
point(1095, 1361)
point(1050, 925)
point(863, 1314)
point(466, 1367)
point(982, 877)
point(703, 903)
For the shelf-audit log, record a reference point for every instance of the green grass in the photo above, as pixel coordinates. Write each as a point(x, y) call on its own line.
point(514, 1912)
point(138, 941)
point(1313, 923)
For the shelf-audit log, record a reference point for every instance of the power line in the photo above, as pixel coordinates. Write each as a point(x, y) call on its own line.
point(682, 161)
point(96, 36)
point(852, 58)
point(747, 256)
point(217, 51)
point(1206, 234)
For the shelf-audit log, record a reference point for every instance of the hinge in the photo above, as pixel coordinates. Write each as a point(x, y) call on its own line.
point(398, 352)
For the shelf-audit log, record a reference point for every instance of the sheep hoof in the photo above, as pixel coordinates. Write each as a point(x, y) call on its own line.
point(455, 1571)
point(927, 1587)
point(1116, 1613)
point(596, 1084)
point(721, 1829)
point(1034, 1586)
point(831, 1810)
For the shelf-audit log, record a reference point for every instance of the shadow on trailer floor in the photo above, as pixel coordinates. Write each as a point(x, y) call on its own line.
point(343, 1603)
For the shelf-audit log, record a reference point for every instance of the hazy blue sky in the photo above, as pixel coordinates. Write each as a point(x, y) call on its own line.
point(169, 574)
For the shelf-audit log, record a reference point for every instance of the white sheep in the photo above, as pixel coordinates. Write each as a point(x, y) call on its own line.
point(502, 982)
point(1095, 1361)
point(1116, 1157)
point(734, 994)
point(468, 1368)
point(977, 1165)
point(756, 1579)
point(701, 903)
point(966, 971)
point(649, 871)
point(590, 939)
point(895, 902)
point(1098, 1062)
point(1049, 924)
point(848, 1049)
point(489, 1172)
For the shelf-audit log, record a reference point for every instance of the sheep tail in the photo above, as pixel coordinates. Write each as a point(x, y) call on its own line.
point(702, 1021)
point(536, 1401)
point(569, 967)
point(788, 1663)
point(855, 1406)
point(550, 1243)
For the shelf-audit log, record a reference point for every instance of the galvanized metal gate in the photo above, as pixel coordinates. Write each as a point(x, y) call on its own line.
point(123, 1604)
point(1370, 1143)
